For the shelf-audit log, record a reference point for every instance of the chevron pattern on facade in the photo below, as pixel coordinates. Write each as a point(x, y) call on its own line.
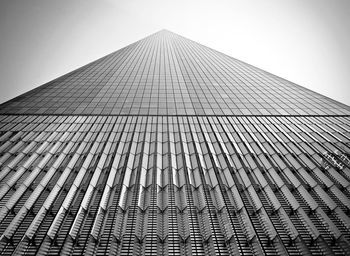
point(167, 147)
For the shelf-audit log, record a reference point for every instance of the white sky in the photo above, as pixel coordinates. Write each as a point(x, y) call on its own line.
point(304, 41)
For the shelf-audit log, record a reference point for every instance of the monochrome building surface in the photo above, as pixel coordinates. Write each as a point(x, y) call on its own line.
point(168, 147)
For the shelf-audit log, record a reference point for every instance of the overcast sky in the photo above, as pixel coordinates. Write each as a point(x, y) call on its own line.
point(304, 41)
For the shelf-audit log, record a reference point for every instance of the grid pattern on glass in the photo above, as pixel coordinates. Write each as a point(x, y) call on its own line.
point(166, 74)
point(207, 185)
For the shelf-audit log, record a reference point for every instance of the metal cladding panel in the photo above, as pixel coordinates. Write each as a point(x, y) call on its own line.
point(174, 185)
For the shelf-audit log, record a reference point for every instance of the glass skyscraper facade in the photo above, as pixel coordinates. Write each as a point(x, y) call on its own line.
point(168, 147)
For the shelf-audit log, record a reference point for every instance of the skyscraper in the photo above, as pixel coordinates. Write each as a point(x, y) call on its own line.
point(168, 147)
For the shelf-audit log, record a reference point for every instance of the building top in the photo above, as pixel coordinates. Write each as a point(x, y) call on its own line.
point(167, 74)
